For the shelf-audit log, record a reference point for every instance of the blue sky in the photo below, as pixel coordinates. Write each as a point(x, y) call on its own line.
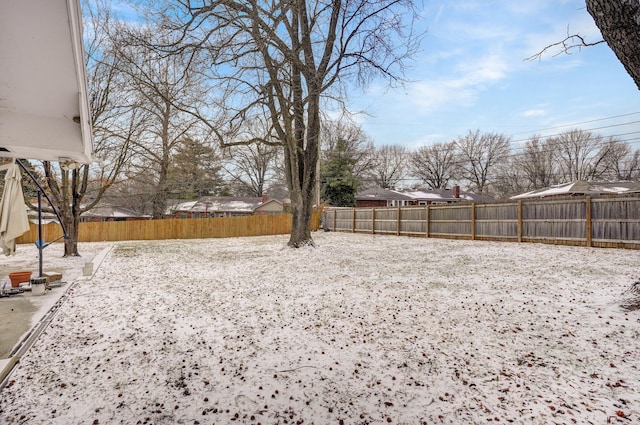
point(471, 74)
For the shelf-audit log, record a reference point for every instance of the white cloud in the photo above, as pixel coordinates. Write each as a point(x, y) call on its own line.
point(534, 113)
point(462, 88)
point(490, 68)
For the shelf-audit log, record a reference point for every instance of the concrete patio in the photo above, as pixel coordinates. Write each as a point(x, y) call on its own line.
point(21, 315)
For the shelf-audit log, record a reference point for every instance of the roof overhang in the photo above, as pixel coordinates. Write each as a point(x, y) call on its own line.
point(580, 187)
point(44, 108)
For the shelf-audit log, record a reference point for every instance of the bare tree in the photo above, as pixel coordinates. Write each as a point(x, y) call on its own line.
point(510, 178)
point(277, 187)
point(130, 192)
point(252, 167)
point(436, 164)
point(629, 167)
point(538, 163)
point(580, 155)
point(285, 57)
point(161, 86)
point(620, 162)
point(480, 154)
point(390, 165)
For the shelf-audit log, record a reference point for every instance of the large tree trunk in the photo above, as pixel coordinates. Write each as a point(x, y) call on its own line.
point(160, 198)
point(71, 225)
point(619, 23)
point(71, 217)
point(67, 196)
point(302, 209)
point(305, 148)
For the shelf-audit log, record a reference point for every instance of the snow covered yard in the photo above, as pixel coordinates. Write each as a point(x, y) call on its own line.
point(361, 330)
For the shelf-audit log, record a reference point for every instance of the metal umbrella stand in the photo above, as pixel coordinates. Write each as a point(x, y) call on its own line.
point(40, 243)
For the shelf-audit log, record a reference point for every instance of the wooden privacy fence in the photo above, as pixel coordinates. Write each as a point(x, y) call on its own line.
point(183, 228)
point(586, 221)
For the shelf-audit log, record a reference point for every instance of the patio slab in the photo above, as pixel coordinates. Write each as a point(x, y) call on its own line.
point(22, 314)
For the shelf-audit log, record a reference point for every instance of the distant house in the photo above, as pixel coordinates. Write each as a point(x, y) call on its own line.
point(112, 213)
point(379, 197)
point(271, 206)
point(46, 217)
point(580, 188)
point(101, 213)
point(224, 206)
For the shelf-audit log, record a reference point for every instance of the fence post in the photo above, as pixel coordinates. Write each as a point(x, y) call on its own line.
point(588, 220)
point(473, 221)
point(335, 219)
point(426, 221)
point(353, 221)
point(373, 221)
point(398, 221)
point(520, 220)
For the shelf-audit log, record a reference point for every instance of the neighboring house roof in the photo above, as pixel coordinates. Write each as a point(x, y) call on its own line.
point(446, 195)
point(182, 206)
point(113, 212)
point(47, 217)
point(227, 204)
point(270, 205)
point(382, 194)
point(580, 187)
point(44, 106)
point(427, 195)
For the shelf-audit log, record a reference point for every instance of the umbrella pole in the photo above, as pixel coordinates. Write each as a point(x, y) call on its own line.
point(40, 237)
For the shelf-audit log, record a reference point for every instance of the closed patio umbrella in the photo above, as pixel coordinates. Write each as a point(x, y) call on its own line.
point(13, 214)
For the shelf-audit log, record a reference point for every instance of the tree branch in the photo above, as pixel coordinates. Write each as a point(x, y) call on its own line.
point(570, 42)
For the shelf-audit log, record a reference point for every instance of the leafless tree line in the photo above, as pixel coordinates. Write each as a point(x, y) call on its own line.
point(490, 163)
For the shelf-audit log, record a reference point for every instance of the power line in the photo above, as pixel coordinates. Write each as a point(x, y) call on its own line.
point(587, 129)
point(577, 123)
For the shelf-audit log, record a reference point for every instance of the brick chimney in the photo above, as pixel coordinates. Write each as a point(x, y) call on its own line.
point(265, 198)
point(455, 191)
